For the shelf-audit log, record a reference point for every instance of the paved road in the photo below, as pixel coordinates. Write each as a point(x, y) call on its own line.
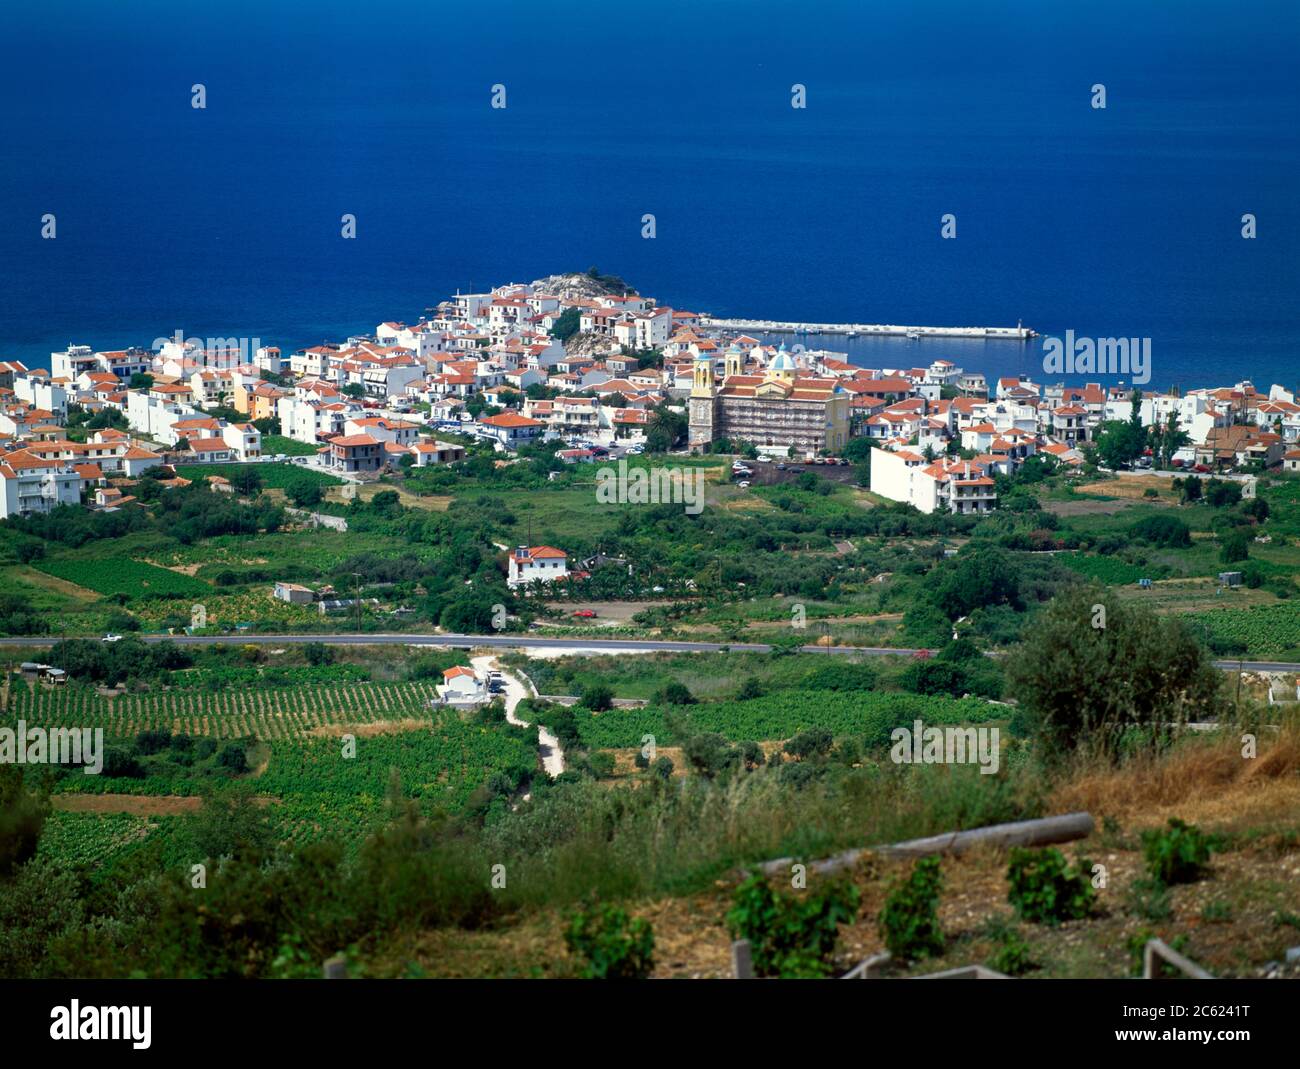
point(584, 645)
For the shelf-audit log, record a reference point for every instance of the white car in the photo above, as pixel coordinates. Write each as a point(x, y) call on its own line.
point(743, 485)
point(111, 638)
point(765, 460)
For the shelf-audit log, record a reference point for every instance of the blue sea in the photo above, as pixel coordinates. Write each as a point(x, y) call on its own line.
point(225, 221)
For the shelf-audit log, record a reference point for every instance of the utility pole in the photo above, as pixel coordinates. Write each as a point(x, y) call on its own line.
point(356, 597)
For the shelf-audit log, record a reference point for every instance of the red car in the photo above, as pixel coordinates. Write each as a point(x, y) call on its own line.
point(922, 655)
point(585, 614)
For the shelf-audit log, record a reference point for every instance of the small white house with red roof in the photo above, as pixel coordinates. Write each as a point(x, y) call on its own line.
point(461, 687)
point(541, 563)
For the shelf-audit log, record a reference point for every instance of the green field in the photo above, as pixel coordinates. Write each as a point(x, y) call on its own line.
point(235, 712)
point(274, 476)
point(1263, 630)
point(870, 716)
point(275, 444)
point(119, 575)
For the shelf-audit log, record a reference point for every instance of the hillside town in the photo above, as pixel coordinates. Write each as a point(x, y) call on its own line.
point(584, 361)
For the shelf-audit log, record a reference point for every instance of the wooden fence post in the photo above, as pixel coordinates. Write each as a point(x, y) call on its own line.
point(742, 962)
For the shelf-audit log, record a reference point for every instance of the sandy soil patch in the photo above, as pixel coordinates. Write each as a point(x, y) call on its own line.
point(56, 585)
point(369, 728)
point(140, 805)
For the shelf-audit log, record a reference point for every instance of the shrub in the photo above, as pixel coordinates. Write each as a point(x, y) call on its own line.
point(1233, 547)
point(1177, 854)
point(233, 757)
point(597, 697)
point(1137, 944)
point(791, 936)
point(1149, 899)
point(935, 677)
point(601, 764)
point(841, 675)
point(909, 920)
point(674, 693)
point(1162, 529)
point(1220, 494)
point(810, 744)
point(304, 492)
point(317, 654)
point(1012, 955)
point(613, 946)
point(1045, 890)
point(153, 741)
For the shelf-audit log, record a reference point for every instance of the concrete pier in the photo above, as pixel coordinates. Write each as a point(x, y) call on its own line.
point(770, 326)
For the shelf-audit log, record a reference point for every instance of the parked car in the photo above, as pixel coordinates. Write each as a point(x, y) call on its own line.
point(764, 460)
point(780, 467)
point(922, 655)
point(744, 484)
point(585, 614)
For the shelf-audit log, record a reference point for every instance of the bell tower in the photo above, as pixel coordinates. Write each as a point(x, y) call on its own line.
point(733, 362)
point(702, 406)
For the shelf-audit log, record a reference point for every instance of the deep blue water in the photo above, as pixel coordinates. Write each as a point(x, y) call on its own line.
point(225, 222)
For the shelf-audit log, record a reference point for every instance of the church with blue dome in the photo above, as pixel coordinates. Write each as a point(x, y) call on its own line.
point(779, 406)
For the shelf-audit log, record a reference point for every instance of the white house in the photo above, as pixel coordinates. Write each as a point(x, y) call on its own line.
point(30, 484)
point(544, 563)
point(960, 486)
point(244, 439)
point(460, 686)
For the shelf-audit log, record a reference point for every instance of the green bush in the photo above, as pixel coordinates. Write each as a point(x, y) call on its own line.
point(1177, 854)
point(791, 936)
point(674, 693)
point(1137, 944)
point(597, 697)
point(1045, 890)
point(1162, 529)
point(1149, 899)
point(613, 946)
point(1012, 955)
point(909, 920)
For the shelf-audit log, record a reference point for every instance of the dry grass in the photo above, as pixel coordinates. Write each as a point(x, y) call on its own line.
point(1196, 775)
point(368, 729)
point(1127, 487)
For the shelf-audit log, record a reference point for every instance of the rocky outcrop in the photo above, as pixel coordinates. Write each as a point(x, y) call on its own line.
point(576, 286)
point(584, 343)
